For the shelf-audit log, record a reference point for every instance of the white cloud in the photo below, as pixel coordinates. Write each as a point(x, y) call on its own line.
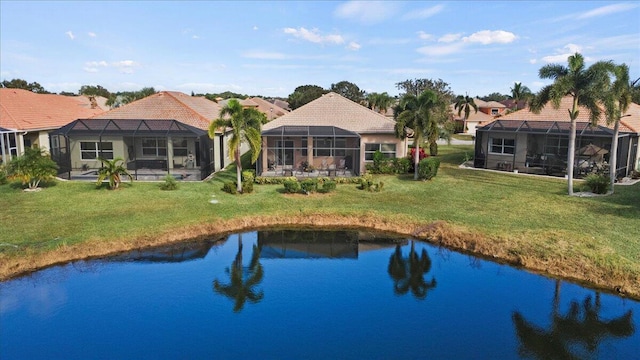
point(207, 87)
point(447, 38)
point(97, 63)
point(563, 54)
point(353, 46)
point(486, 37)
point(92, 34)
point(390, 41)
point(606, 10)
point(440, 50)
point(313, 36)
point(70, 35)
point(195, 37)
point(424, 36)
point(264, 55)
point(533, 61)
point(367, 12)
point(424, 13)
point(255, 28)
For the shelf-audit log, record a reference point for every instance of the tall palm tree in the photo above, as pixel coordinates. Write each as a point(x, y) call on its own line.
point(112, 170)
point(245, 125)
point(465, 103)
point(616, 104)
point(519, 93)
point(584, 85)
point(414, 117)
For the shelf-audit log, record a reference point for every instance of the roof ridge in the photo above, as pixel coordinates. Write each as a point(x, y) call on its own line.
point(170, 93)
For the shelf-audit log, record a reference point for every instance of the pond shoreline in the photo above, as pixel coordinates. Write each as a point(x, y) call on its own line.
point(441, 233)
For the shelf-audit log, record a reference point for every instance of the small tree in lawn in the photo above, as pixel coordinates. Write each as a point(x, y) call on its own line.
point(112, 170)
point(32, 167)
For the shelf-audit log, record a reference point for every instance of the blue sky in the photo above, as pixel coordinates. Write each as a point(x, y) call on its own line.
point(270, 48)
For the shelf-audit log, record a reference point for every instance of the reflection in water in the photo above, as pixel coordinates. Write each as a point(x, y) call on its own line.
point(407, 273)
point(575, 335)
point(305, 244)
point(241, 286)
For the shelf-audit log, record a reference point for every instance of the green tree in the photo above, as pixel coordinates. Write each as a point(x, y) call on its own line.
point(465, 103)
point(617, 101)
point(494, 96)
point(91, 90)
point(304, 94)
point(379, 102)
point(23, 84)
point(349, 90)
point(34, 166)
point(112, 170)
point(241, 286)
point(635, 91)
point(441, 112)
point(414, 117)
point(584, 85)
point(520, 92)
point(245, 125)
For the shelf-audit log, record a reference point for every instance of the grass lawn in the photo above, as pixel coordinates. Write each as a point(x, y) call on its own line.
point(523, 219)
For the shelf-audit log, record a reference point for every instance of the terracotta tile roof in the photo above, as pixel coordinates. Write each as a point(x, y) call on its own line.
point(473, 116)
point(266, 107)
point(165, 105)
point(334, 110)
point(25, 110)
point(549, 113)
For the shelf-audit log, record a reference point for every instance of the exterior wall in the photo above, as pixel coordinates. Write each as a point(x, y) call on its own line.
point(401, 145)
point(493, 159)
point(119, 150)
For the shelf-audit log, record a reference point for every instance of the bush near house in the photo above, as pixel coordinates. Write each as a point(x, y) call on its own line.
point(169, 183)
point(292, 186)
point(597, 183)
point(34, 166)
point(230, 187)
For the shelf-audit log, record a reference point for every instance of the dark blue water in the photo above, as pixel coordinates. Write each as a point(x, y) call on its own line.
point(308, 295)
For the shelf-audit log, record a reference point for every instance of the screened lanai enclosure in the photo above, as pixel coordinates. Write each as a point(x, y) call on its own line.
point(309, 151)
point(151, 148)
point(8, 145)
point(541, 147)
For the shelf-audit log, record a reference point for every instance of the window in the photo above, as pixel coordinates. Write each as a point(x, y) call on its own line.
point(154, 147)
point(502, 146)
point(91, 150)
point(180, 147)
point(304, 147)
point(388, 150)
point(494, 111)
point(322, 146)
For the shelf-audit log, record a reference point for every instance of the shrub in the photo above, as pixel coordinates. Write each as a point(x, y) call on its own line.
point(291, 186)
point(230, 187)
point(367, 183)
point(247, 186)
point(3, 175)
point(401, 165)
point(328, 186)
point(248, 176)
point(597, 184)
point(169, 183)
point(428, 168)
point(309, 185)
point(635, 175)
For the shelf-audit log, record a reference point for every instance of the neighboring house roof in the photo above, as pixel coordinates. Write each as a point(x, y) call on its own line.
point(511, 103)
point(474, 116)
point(25, 110)
point(191, 110)
point(334, 110)
point(94, 102)
point(271, 110)
point(282, 104)
point(243, 102)
point(549, 113)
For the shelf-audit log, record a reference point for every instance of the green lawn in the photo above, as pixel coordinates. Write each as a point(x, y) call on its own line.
point(526, 214)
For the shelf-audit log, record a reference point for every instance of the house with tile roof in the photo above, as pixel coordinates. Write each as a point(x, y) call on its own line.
point(166, 132)
point(487, 111)
point(538, 143)
point(27, 118)
point(332, 134)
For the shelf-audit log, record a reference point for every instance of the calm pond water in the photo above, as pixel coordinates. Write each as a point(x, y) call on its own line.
point(308, 295)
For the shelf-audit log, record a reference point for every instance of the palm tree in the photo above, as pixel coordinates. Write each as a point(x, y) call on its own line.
point(113, 171)
point(245, 124)
point(465, 103)
point(584, 85)
point(616, 104)
point(414, 117)
point(241, 286)
point(519, 93)
point(379, 102)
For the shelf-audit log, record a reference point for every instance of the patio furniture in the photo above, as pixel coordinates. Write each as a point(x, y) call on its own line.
point(342, 166)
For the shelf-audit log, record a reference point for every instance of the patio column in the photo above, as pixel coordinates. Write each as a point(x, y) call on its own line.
point(310, 150)
point(265, 154)
point(169, 154)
